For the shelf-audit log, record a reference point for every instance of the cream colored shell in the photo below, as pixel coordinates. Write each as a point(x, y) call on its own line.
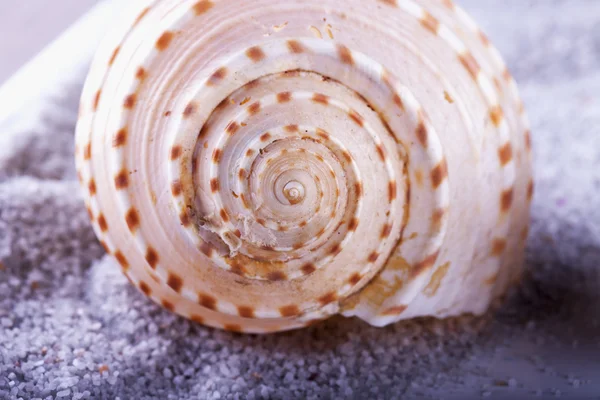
point(258, 165)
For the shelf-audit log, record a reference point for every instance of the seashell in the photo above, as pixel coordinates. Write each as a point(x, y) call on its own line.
point(261, 165)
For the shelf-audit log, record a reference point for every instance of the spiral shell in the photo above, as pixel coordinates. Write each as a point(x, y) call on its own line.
point(260, 165)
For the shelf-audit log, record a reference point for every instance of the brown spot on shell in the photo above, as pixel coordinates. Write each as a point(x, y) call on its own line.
point(133, 219)
point(448, 98)
point(206, 249)
point(436, 280)
point(92, 187)
point(217, 77)
point(381, 152)
point(295, 46)
point(176, 152)
point(308, 268)
point(373, 257)
point(207, 301)
point(335, 249)
point(425, 264)
point(141, 16)
point(265, 136)
point(145, 288)
point(246, 311)
point(496, 115)
point(345, 55)
point(358, 189)
point(120, 138)
point(356, 118)
point(214, 185)
point(396, 310)
point(233, 328)
point(389, 2)
point(353, 224)
point(421, 132)
point(121, 259)
point(87, 151)
point(176, 188)
point(249, 152)
point(97, 99)
point(114, 56)
point(498, 247)
point(386, 231)
point(469, 62)
point(530, 190)
point(354, 278)
point(255, 54)
point(289, 311)
point(175, 282)
point(436, 220)
point(122, 179)
point(202, 6)
point(506, 199)
point(216, 156)
point(392, 191)
point(130, 101)
point(232, 128)
point(140, 74)
point(284, 97)
point(224, 215)
point(528, 140)
point(152, 257)
point(398, 101)
point(439, 173)
point(505, 154)
point(102, 223)
point(430, 23)
point(184, 218)
point(197, 319)
point(190, 109)
point(324, 135)
point(320, 98)
point(276, 276)
point(164, 40)
point(167, 305)
point(328, 298)
point(291, 128)
point(254, 108)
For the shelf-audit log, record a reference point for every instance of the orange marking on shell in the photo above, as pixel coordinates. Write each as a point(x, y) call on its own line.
point(345, 55)
point(164, 40)
point(245, 312)
point(216, 156)
point(122, 179)
point(436, 220)
point(151, 257)
point(469, 62)
point(175, 282)
point(347, 156)
point(233, 328)
point(121, 259)
point(422, 133)
point(207, 301)
point(202, 6)
point(498, 247)
point(130, 101)
point(87, 151)
point(354, 279)
point(289, 311)
point(141, 16)
point(214, 185)
point(308, 268)
point(97, 100)
point(295, 46)
point(320, 98)
point(184, 218)
point(358, 189)
point(224, 215)
point(322, 134)
point(92, 187)
point(145, 288)
point(496, 115)
point(133, 219)
point(358, 120)
point(140, 74)
point(390, 2)
point(217, 77)
point(505, 154)
point(373, 257)
point(265, 136)
point(254, 108)
point(176, 152)
point(276, 276)
point(396, 310)
point(114, 56)
point(284, 97)
point(245, 202)
point(392, 190)
point(530, 190)
point(353, 224)
point(430, 23)
point(168, 305)
point(506, 199)
point(190, 109)
point(291, 128)
point(425, 264)
point(386, 231)
point(328, 298)
point(176, 188)
point(335, 249)
point(439, 174)
point(102, 223)
point(120, 138)
point(255, 54)
point(197, 319)
point(381, 152)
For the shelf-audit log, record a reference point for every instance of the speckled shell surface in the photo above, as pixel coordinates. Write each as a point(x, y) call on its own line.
point(260, 165)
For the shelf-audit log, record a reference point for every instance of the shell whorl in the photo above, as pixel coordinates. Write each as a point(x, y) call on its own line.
point(259, 165)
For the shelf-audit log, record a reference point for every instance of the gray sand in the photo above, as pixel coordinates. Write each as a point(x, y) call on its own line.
point(71, 326)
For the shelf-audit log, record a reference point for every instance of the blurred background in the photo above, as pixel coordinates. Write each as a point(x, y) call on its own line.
point(27, 26)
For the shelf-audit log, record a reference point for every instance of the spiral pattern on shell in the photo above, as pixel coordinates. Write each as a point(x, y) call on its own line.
point(261, 165)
